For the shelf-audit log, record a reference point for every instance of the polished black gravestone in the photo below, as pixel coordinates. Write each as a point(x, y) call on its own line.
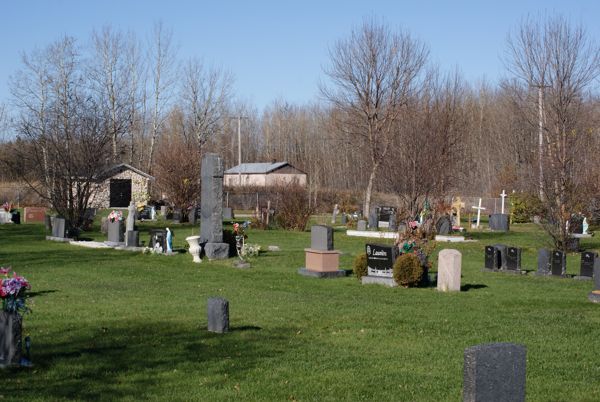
point(218, 315)
point(499, 222)
point(380, 263)
point(494, 373)
point(588, 260)
point(158, 238)
point(543, 262)
point(513, 259)
point(492, 258)
point(558, 263)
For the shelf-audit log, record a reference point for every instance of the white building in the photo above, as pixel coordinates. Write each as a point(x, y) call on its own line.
point(263, 175)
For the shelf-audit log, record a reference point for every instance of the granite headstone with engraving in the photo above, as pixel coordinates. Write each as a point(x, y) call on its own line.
point(211, 222)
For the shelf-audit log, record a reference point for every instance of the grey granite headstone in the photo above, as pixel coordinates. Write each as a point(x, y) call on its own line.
point(494, 373)
point(177, 215)
point(163, 210)
point(544, 256)
point(444, 225)
point(321, 237)
point(228, 213)
point(499, 222)
point(361, 225)
point(344, 219)
point(373, 220)
point(10, 338)
point(115, 232)
point(393, 224)
point(192, 216)
point(132, 238)
point(131, 211)
point(58, 227)
point(211, 221)
point(218, 315)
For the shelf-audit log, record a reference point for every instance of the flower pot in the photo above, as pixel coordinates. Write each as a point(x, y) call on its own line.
point(115, 231)
point(10, 338)
point(195, 247)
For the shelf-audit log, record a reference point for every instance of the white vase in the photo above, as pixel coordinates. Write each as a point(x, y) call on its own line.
point(194, 247)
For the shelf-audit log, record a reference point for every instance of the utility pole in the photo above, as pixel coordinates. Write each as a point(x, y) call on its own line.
point(239, 135)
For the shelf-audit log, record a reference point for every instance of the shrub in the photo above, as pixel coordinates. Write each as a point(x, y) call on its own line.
point(292, 209)
point(360, 266)
point(524, 207)
point(408, 270)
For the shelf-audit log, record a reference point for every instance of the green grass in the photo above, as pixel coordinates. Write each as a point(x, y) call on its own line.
point(110, 325)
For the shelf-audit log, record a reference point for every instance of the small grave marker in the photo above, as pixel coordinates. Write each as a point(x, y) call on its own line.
point(218, 315)
point(449, 270)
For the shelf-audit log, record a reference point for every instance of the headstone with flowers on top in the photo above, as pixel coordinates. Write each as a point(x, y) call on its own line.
point(115, 227)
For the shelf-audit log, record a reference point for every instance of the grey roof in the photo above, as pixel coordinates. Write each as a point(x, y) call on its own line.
point(113, 170)
point(256, 168)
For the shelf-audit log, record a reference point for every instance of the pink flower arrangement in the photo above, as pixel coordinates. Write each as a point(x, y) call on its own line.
point(8, 206)
point(115, 216)
point(13, 291)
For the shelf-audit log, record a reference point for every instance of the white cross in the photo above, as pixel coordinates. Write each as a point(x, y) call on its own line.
point(478, 208)
point(503, 195)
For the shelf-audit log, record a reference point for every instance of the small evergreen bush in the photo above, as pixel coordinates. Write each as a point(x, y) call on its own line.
point(407, 270)
point(360, 266)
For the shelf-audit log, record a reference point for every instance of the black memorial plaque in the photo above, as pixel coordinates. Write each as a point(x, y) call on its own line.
point(380, 259)
point(492, 258)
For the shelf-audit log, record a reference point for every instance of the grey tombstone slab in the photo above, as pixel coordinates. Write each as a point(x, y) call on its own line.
point(321, 237)
point(115, 232)
point(177, 215)
point(218, 315)
point(163, 210)
point(373, 220)
point(361, 225)
point(192, 216)
point(499, 222)
point(444, 225)
point(393, 226)
point(494, 373)
point(58, 227)
point(131, 211)
point(544, 256)
point(228, 213)
point(344, 219)
point(211, 208)
point(449, 270)
point(132, 238)
point(10, 338)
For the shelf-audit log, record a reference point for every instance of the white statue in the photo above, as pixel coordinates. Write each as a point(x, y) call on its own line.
point(130, 224)
point(169, 241)
point(585, 225)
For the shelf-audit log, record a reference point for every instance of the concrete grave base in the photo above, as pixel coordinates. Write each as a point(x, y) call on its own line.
point(582, 278)
point(506, 271)
point(581, 235)
point(322, 260)
point(60, 239)
point(378, 235)
point(379, 280)
point(594, 296)
point(322, 274)
point(451, 239)
point(241, 264)
point(216, 251)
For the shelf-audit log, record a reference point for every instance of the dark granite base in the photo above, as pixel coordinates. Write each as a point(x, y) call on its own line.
point(594, 297)
point(379, 280)
point(318, 274)
point(216, 251)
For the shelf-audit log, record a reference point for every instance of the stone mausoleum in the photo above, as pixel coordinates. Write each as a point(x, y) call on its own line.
point(119, 185)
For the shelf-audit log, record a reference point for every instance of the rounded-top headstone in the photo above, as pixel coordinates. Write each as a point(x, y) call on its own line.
point(449, 270)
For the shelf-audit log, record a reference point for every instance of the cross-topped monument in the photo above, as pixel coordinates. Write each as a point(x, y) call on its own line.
point(457, 205)
point(478, 208)
point(503, 195)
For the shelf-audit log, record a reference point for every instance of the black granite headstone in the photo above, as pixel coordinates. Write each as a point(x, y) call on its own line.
point(558, 264)
point(501, 255)
point(16, 218)
point(218, 315)
point(588, 260)
point(492, 258)
point(380, 259)
point(513, 258)
point(494, 373)
point(158, 236)
point(321, 237)
point(576, 224)
point(385, 212)
point(544, 256)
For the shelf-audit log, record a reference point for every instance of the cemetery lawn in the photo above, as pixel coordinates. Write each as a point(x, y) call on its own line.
point(116, 325)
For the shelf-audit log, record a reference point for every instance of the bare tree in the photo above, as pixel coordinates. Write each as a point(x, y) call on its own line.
point(161, 59)
point(562, 62)
point(373, 73)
